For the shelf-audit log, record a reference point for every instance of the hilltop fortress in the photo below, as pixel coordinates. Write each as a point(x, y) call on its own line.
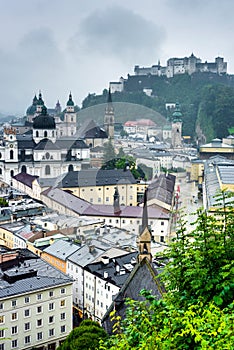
point(185, 65)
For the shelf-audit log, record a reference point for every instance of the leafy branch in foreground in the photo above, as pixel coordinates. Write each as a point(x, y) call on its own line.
point(197, 310)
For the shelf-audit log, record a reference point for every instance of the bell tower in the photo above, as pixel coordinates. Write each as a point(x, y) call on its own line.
point(144, 238)
point(109, 119)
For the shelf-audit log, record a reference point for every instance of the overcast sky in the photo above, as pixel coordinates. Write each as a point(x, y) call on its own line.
point(58, 46)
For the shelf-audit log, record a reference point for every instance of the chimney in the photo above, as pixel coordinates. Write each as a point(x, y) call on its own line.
point(105, 274)
point(105, 259)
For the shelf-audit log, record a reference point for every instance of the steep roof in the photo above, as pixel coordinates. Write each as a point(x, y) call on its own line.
point(90, 130)
point(143, 276)
point(25, 178)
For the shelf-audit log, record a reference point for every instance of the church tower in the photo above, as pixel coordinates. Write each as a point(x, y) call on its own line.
point(40, 103)
point(70, 117)
point(176, 132)
point(109, 119)
point(144, 238)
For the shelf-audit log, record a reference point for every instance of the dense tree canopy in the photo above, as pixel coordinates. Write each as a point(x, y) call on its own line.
point(206, 101)
point(84, 337)
point(197, 310)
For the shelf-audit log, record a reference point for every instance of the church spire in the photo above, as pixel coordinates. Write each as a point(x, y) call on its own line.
point(109, 118)
point(144, 239)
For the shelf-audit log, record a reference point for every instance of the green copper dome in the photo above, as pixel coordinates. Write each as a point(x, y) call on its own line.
point(177, 115)
point(32, 109)
point(44, 120)
point(70, 102)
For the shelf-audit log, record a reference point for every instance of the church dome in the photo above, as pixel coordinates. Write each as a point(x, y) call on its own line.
point(44, 120)
point(32, 109)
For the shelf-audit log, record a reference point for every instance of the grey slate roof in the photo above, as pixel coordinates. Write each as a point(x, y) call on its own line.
point(46, 144)
point(162, 188)
point(61, 249)
point(96, 177)
point(143, 276)
point(90, 130)
point(46, 276)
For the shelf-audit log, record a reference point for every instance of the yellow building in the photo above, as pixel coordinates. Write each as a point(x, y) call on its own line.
point(97, 186)
point(216, 147)
point(197, 169)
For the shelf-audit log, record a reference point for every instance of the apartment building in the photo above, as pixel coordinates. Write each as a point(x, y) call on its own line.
point(35, 302)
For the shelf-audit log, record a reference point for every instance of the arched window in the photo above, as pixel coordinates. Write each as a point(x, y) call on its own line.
point(23, 169)
point(12, 173)
point(45, 133)
point(47, 170)
point(0, 171)
point(53, 133)
point(11, 154)
point(70, 168)
point(37, 133)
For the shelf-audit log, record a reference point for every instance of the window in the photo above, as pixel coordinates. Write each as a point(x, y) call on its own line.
point(27, 339)
point(45, 133)
point(26, 313)
point(39, 336)
point(2, 333)
point(47, 170)
point(14, 316)
point(51, 319)
point(63, 290)
point(14, 343)
point(1, 306)
point(107, 199)
point(2, 346)
point(63, 329)
point(14, 330)
point(27, 326)
point(39, 296)
point(26, 299)
point(62, 302)
point(162, 223)
point(62, 316)
point(51, 332)
point(11, 154)
point(39, 309)
point(37, 134)
point(51, 293)
point(39, 322)
point(13, 303)
point(51, 306)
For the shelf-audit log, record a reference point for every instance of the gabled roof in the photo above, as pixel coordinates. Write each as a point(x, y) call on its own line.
point(25, 178)
point(61, 249)
point(46, 144)
point(143, 276)
point(90, 130)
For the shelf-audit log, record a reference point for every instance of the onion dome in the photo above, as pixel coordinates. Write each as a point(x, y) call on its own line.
point(44, 120)
point(70, 102)
point(32, 109)
point(177, 115)
point(40, 102)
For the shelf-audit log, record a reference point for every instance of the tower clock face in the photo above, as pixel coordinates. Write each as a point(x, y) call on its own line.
point(11, 146)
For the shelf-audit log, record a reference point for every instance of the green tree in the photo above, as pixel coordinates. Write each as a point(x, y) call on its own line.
point(84, 337)
point(3, 202)
point(197, 310)
point(109, 153)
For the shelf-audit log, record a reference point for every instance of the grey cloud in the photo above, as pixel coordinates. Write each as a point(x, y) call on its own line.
point(35, 64)
point(119, 32)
